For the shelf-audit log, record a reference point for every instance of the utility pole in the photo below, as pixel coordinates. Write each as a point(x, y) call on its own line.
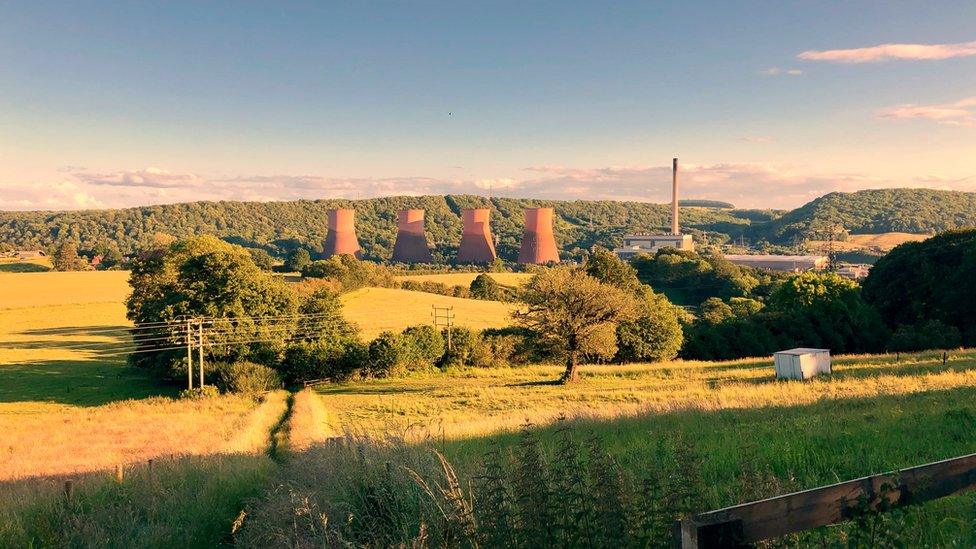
point(444, 316)
point(200, 332)
point(189, 355)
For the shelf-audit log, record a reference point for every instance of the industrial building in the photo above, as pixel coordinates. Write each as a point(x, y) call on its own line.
point(782, 263)
point(477, 243)
point(411, 242)
point(341, 238)
point(538, 241)
point(649, 243)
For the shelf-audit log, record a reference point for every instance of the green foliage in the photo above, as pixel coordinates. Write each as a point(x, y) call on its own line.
point(713, 310)
point(655, 335)
point(322, 320)
point(261, 258)
point(486, 287)
point(323, 360)
point(606, 267)
point(200, 393)
point(65, 258)
point(464, 347)
point(813, 289)
point(931, 280)
point(297, 260)
point(205, 277)
point(689, 278)
point(245, 377)
point(570, 310)
point(433, 287)
point(394, 355)
point(425, 342)
point(350, 273)
point(929, 335)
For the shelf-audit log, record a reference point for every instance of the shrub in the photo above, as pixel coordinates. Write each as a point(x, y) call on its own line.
point(386, 356)
point(486, 287)
point(463, 340)
point(200, 393)
point(426, 342)
point(246, 377)
point(351, 273)
point(655, 335)
point(930, 335)
point(320, 360)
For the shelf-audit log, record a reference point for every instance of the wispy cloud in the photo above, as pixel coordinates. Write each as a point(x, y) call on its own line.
point(958, 113)
point(756, 139)
point(889, 52)
point(776, 71)
point(750, 185)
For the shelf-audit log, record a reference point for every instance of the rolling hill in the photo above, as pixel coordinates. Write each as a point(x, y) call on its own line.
point(281, 226)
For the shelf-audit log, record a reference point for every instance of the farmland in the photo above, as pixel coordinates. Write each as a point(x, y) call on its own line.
point(66, 414)
point(465, 279)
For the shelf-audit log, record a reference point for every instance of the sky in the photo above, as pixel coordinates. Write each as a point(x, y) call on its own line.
point(767, 104)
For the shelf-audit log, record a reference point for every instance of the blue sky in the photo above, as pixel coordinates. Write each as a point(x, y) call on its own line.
point(119, 104)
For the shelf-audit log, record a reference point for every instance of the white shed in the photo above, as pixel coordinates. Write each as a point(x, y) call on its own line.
point(801, 363)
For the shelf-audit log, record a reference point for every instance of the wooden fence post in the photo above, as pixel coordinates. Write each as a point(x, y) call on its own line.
point(119, 473)
point(69, 489)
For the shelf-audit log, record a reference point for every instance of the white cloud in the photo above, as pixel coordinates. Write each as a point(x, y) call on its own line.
point(776, 71)
point(958, 113)
point(888, 52)
point(757, 139)
point(747, 185)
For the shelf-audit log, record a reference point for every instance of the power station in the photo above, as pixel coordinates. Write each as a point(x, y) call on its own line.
point(411, 242)
point(341, 238)
point(649, 243)
point(538, 241)
point(477, 244)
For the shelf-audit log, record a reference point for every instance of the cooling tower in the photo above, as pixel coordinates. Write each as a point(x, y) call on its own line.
point(411, 244)
point(342, 234)
point(538, 242)
point(477, 245)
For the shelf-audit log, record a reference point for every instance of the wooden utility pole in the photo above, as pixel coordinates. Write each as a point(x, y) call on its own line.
point(189, 355)
point(444, 316)
point(200, 342)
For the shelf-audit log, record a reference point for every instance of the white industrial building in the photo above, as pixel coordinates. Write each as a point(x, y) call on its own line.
point(783, 263)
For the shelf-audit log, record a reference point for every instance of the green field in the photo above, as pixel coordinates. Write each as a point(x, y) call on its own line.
point(65, 414)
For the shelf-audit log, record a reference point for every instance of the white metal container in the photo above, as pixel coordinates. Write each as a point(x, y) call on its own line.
point(801, 363)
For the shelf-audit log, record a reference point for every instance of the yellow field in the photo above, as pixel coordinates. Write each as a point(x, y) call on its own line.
point(465, 279)
point(379, 309)
point(56, 288)
point(877, 242)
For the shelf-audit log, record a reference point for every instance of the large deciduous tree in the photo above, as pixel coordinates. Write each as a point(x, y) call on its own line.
point(569, 310)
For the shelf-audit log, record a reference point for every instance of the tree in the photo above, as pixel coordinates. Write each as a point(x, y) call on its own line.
point(206, 277)
point(297, 260)
point(66, 258)
point(261, 258)
point(606, 267)
point(486, 287)
point(655, 334)
point(566, 308)
point(714, 310)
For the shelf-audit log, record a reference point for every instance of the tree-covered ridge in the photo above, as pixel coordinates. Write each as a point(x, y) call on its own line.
point(282, 226)
point(878, 211)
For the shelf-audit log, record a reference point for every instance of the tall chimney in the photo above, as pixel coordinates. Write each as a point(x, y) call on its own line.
point(538, 241)
point(411, 244)
point(675, 227)
point(477, 245)
point(341, 238)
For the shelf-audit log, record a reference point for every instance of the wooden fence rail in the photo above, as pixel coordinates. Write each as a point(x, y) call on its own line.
point(742, 525)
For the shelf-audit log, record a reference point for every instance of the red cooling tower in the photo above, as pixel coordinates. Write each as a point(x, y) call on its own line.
point(342, 234)
point(411, 244)
point(538, 242)
point(476, 240)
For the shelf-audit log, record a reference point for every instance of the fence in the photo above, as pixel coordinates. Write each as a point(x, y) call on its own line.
point(742, 525)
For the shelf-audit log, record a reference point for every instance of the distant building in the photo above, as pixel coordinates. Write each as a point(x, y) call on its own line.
point(854, 271)
point(646, 243)
point(783, 263)
point(30, 254)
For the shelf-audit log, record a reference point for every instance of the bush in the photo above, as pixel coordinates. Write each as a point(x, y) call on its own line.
point(246, 377)
point(463, 343)
point(200, 393)
point(320, 360)
point(425, 342)
point(930, 335)
point(386, 356)
point(486, 287)
point(351, 273)
point(655, 335)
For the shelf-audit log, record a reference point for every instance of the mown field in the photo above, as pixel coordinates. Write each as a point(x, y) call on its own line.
point(66, 415)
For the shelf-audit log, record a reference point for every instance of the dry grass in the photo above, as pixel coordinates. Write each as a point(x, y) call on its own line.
point(862, 242)
point(475, 403)
point(379, 309)
point(308, 424)
point(465, 279)
point(77, 440)
point(57, 288)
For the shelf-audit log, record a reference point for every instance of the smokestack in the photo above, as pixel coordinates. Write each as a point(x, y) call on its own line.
point(341, 238)
point(675, 227)
point(411, 244)
point(477, 245)
point(538, 242)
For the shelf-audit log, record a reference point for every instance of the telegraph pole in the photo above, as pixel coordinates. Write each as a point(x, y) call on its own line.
point(189, 355)
point(200, 332)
